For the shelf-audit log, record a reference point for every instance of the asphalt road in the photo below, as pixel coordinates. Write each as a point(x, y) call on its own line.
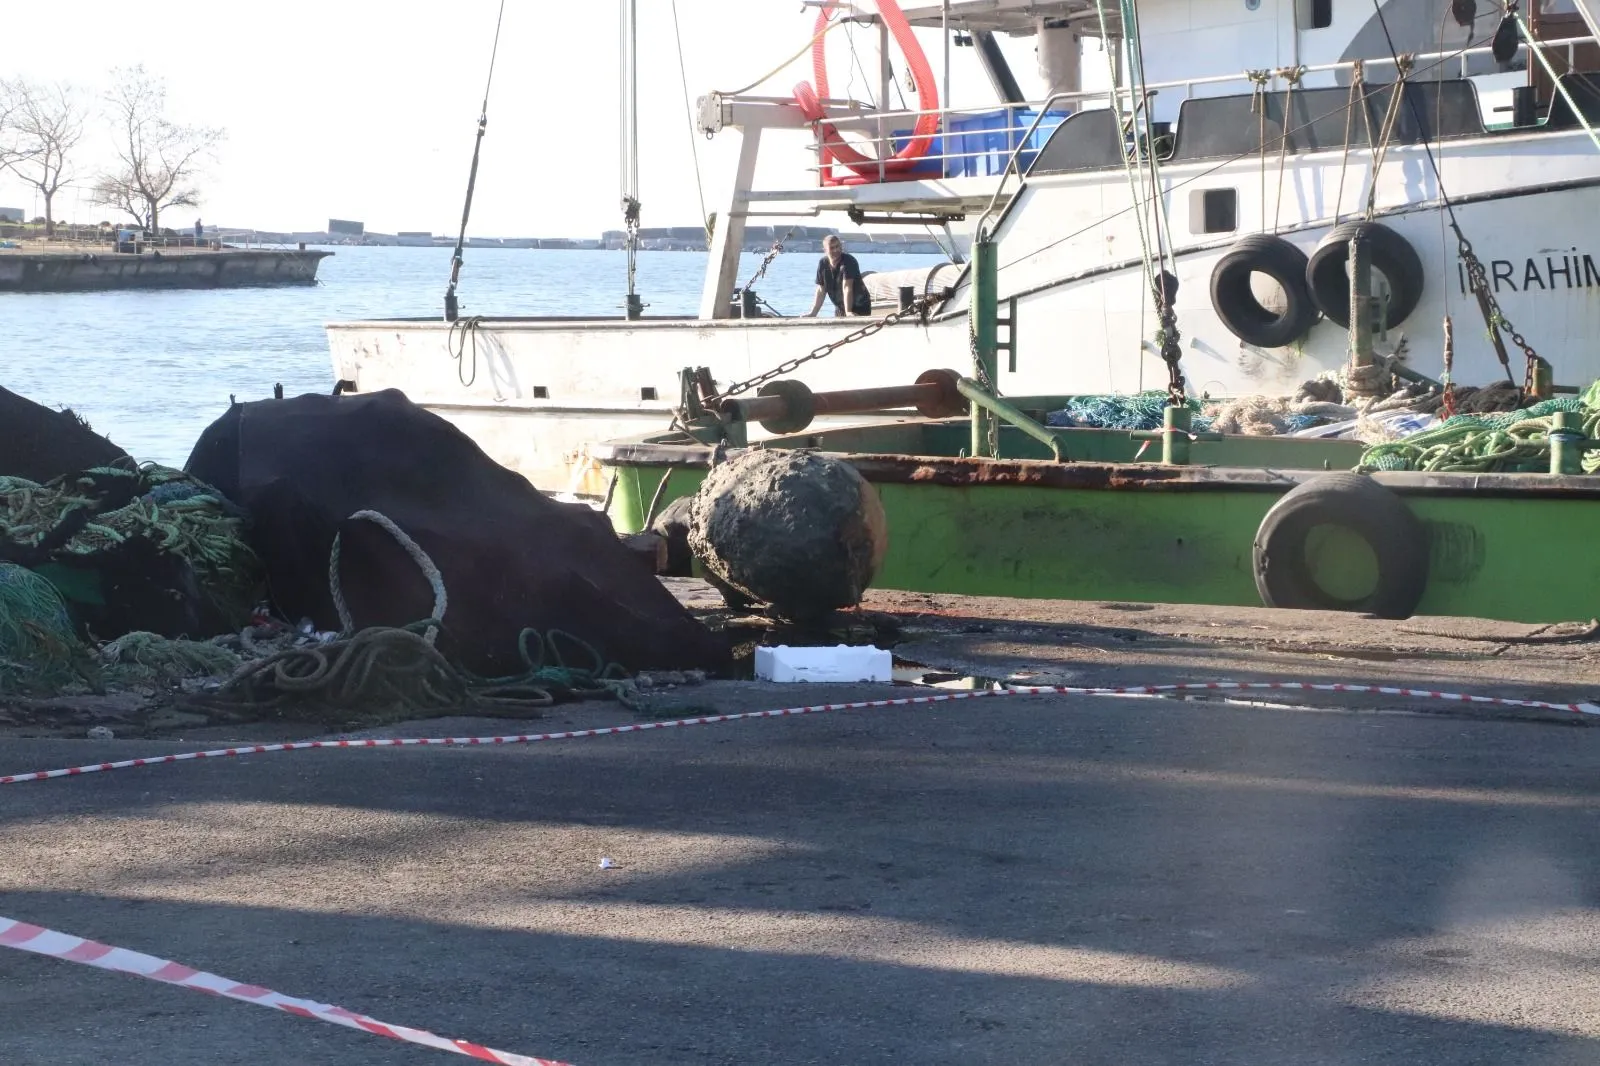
point(1046, 880)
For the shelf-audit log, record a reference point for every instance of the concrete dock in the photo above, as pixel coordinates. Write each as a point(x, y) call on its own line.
point(1305, 879)
point(60, 269)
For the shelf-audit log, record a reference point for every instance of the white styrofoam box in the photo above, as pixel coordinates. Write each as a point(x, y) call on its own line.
point(842, 663)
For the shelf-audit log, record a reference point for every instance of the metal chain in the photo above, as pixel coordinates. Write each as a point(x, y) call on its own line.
point(630, 220)
point(1478, 282)
point(1448, 406)
point(992, 424)
point(1166, 294)
point(1177, 391)
point(772, 254)
point(919, 308)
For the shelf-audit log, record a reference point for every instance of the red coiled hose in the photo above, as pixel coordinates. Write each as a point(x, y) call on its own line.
point(834, 147)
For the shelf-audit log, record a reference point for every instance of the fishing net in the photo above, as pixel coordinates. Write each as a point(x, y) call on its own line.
point(1141, 410)
point(38, 649)
point(1507, 441)
point(1261, 416)
point(101, 512)
point(149, 659)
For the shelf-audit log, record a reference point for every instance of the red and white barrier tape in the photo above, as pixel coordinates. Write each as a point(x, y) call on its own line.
point(41, 941)
point(904, 701)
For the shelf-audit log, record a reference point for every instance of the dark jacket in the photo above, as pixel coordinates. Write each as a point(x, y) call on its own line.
point(832, 279)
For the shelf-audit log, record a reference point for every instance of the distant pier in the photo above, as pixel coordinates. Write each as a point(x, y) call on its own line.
point(65, 269)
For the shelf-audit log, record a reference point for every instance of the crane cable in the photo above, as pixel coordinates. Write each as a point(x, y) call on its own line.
point(451, 310)
point(694, 149)
point(779, 69)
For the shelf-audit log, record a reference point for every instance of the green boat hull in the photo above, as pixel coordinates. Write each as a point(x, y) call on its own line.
point(1518, 547)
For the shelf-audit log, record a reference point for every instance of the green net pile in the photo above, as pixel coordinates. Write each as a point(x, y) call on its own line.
point(1504, 442)
point(149, 659)
point(165, 506)
point(38, 650)
point(1141, 410)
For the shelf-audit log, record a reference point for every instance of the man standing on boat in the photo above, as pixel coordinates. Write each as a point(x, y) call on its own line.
point(839, 279)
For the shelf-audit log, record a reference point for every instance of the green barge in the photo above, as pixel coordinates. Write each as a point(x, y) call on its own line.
point(1518, 547)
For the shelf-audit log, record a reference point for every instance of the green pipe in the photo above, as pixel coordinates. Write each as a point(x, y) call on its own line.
point(1566, 444)
point(985, 330)
point(994, 406)
point(1175, 435)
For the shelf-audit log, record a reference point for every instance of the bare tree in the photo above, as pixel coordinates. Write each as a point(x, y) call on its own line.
point(42, 124)
point(8, 107)
point(157, 159)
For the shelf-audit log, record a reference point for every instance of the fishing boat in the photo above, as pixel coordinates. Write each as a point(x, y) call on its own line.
point(1186, 228)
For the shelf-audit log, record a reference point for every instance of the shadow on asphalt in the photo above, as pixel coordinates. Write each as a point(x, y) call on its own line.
point(1031, 881)
point(1089, 656)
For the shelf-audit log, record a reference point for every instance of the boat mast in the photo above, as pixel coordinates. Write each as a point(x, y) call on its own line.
point(629, 157)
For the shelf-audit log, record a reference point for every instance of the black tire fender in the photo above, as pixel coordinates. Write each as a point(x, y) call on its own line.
point(1236, 304)
point(1397, 538)
point(1390, 253)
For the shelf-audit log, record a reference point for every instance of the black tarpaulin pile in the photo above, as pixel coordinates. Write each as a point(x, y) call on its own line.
point(39, 444)
point(511, 559)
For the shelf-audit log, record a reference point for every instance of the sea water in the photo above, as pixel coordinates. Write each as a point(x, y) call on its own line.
point(151, 369)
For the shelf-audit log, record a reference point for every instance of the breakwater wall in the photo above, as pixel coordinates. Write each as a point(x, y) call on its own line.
point(152, 269)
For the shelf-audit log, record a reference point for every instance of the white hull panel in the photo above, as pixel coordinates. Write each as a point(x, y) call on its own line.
point(544, 389)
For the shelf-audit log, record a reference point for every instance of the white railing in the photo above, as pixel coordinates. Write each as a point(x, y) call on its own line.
point(1026, 126)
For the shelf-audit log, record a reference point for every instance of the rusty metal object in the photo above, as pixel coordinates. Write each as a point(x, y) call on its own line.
point(789, 406)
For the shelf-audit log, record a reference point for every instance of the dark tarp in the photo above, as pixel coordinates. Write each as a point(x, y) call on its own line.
point(40, 444)
point(510, 556)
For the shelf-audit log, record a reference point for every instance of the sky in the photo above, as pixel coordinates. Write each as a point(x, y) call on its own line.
point(367, 110)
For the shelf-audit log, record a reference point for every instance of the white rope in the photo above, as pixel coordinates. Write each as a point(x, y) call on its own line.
point(1258, 104)
point(424, 563)
point(1358, 80)
point(1291, 76)
point(1161, 224)
point(688, 111)
point(1135, 190)
point(1391, 118)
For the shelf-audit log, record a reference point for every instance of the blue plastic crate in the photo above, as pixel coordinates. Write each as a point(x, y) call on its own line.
point(1047, 126)
point(925, 167)
point(981, 144)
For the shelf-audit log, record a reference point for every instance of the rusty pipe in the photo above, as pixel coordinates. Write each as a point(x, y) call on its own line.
point(790, 406)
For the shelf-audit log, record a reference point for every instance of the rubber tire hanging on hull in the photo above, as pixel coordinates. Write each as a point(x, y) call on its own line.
point(1328, 278)
point(1238, 307)
point(1398, 541)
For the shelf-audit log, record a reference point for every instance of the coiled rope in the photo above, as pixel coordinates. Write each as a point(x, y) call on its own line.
point(441, 599)
point(1489, 443)
point(399, 669)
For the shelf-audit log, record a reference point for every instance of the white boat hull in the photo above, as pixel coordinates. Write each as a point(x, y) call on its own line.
point(535, 392)
point(544, 389)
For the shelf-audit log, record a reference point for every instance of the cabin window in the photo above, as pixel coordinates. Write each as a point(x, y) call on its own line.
point(541, 392)
point(647, 392)
point(1213, 211)
point(1315, 14)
